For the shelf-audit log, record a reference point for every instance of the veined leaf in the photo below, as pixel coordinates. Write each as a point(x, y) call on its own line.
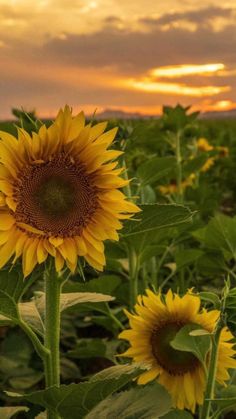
point(76, 400)
point(156, 168)
point(8, 307)
point(138, 403)
point(157, 216)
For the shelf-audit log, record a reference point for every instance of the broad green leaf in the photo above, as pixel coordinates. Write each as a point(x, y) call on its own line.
point(156, 168)
point(76, 400)
point(70, 299)
point(147, 402)
point(13, 283)
point(117, 371)
point(197, 345)
point(9, 411)
point(8, 307)
point(156, 216)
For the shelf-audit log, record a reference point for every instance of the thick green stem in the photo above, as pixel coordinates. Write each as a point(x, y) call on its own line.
point(210, 387)
point(52, 331)
point(133, 271)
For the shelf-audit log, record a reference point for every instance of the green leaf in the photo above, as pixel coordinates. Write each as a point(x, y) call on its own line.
point(13, 283)
point(138, 403)
point(76, 400)
point(197, 345)
point(8, 307)
point(156, 216)
point(210, 297)
point(9, 411)
point(228, 399)
point(31, 316)
point(156, 168)
point(220, 233)
point(70, 299)
point(187, 257)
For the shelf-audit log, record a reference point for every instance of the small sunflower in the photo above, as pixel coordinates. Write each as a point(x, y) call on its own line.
point(172, 187)
point(203, 145)
point(155, 324)
point(208, 164)
point(59, 193)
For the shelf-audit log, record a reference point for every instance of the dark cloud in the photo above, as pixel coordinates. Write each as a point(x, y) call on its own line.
point(200, 17)
point(134, 52)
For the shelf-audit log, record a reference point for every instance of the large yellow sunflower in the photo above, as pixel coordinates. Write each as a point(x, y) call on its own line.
point(59, 193)
point(154, 326)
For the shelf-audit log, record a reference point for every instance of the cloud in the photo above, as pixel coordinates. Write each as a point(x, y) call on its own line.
point(136, 51)
point(201, 17)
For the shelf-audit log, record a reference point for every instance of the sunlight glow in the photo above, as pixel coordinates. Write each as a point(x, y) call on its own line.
point(147, 85)
point(186, 70)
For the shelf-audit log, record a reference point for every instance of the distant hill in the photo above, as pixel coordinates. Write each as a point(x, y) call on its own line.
point(119, 114)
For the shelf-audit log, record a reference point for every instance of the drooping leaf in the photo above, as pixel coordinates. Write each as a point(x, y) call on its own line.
point(76, 400)
point(70, 299)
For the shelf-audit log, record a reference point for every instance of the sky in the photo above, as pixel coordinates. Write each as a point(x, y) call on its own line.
point(135, 55)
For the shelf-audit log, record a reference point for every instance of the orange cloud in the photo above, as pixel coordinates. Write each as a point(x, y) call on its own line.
point(180, 89)
point(187, 70)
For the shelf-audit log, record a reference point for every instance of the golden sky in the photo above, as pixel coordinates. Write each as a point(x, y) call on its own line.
point(131, 55)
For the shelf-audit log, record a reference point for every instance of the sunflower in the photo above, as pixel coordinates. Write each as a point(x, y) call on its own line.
point(203, 145)
point(59, 193)
point(154, 325)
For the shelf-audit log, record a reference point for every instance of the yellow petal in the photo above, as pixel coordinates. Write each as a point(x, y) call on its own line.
point(56, 241)
point(42, 253)
point(30, 257)
point(97, 130)
point(6, 221)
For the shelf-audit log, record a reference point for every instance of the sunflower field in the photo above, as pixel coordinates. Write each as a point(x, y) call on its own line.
point(118, 267)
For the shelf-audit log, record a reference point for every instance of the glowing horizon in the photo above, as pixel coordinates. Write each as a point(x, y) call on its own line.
point(116, 54)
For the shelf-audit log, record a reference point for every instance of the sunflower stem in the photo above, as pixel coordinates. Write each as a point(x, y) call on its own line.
point(133, 272)
point(53, 286)
point(210, 386)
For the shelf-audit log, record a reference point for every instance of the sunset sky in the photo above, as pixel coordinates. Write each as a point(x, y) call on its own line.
point(133, 55)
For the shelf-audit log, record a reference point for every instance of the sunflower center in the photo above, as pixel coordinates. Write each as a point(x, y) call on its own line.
point(57, 197)
point(172, 360)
